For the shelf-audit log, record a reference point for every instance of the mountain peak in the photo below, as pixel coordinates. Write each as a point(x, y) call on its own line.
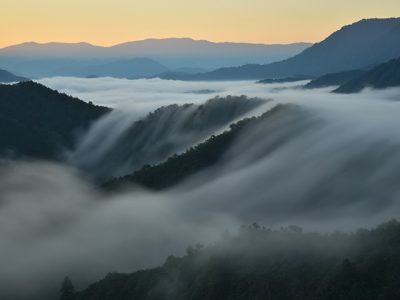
point(355, 46)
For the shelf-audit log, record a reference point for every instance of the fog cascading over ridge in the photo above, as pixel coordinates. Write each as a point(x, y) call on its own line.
point(118, 143)
point(331, 162)
point(303, 168)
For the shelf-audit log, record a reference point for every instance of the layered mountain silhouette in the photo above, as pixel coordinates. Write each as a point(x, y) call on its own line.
point(7, 77)
point(353, 47)
point(37, 122)
point(333, 79)
point(51, 50)
point(383, 76)
point(125, 68)
point(150, 47)
point(119, 68)
point(179, 55)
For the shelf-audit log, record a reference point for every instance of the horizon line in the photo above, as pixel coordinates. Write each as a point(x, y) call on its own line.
point(154, 39)
point(109, 45)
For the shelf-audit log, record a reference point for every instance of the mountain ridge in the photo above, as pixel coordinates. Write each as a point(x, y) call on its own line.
point(180, 167)
point(354, 46)
point(173, 53)
point(382, 76)
point(37, 122)
point(149, 40)
point(333, 79)
point(155, 137)
point(7, 77)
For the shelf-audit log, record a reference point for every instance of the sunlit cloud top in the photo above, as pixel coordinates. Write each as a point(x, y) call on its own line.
point(107, 22)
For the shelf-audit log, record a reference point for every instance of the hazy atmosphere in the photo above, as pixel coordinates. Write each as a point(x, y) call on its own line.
point(199, 150)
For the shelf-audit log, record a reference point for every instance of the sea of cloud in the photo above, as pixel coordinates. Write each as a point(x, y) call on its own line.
point(146, 95)
point(338, 173)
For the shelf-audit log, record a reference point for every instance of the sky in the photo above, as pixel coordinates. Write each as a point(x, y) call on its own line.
point(108, 22)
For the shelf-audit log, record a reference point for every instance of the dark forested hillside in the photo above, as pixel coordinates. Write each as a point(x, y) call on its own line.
point(260, 263)
point(383, 76)
point(168, 130)
point(38, 122)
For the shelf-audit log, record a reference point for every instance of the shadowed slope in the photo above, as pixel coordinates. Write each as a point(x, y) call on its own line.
point(36, 121)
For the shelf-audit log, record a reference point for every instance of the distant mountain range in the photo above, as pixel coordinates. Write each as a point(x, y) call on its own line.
point(177, 54)
point(355, 46)
point(161, 48)
point(7, 77)
point(124, 68)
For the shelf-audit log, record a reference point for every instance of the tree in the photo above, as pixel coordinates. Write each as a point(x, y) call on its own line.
point(67, 291)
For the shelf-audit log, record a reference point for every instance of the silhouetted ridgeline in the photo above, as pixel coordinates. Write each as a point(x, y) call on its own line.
point(333, 79)
point(180, 55)
point(287, 79)
point(383, 76)
point(260, 263)
point(353, 47)
point(205, 155)
point(38, 122)
point(6, 77)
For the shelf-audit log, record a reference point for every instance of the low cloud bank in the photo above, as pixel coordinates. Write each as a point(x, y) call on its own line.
point(333, 164)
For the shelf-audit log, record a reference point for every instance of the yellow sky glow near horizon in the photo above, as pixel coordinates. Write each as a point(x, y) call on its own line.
point(106, 22)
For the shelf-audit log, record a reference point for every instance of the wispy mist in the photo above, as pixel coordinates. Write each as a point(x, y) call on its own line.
point(54, 224)
point(333, 163)
point(119, 144)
